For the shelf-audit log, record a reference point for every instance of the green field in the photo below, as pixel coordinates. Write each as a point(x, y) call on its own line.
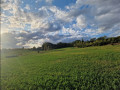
point(91, 68)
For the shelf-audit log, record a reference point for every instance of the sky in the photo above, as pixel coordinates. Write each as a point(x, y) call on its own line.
point(28, 23)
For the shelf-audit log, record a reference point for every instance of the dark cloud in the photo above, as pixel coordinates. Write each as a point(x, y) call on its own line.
point(102, 13)
point(76, 12)
point(51, 27)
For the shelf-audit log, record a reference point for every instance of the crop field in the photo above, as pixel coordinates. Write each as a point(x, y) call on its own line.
point(90, 68)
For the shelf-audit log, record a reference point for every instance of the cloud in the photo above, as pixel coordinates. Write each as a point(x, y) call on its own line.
point(27, 7)
point(60, 15)
point(38, 1)
point(46, 1)
point(106, 13)
point(49, 1)
point(80, 22)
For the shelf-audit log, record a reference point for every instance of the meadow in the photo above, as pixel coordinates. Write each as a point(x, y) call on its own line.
point(90, 68)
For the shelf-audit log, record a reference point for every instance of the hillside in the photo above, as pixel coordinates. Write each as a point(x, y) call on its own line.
point(88, 68)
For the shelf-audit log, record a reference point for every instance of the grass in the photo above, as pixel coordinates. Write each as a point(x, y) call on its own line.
point(91, 68)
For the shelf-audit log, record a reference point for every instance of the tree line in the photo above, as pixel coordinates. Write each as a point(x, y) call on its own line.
point(80, 43)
